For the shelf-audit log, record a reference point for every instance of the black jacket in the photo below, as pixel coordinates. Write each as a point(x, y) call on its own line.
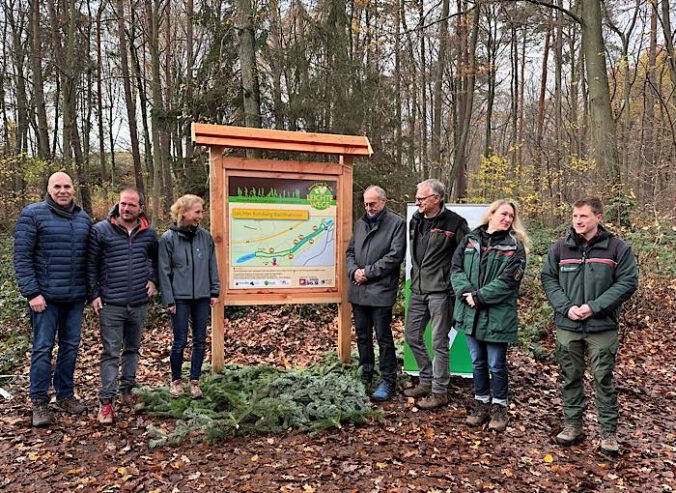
point(379, 250)
point(433, 274)
point(119, 264)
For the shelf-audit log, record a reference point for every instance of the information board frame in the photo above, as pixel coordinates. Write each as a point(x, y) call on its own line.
point(220, 139)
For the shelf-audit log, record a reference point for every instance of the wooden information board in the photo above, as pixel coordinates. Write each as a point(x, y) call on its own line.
point(281, 227)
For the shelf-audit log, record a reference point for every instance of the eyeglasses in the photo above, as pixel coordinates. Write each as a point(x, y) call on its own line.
point(371, 204)
point(422, 199)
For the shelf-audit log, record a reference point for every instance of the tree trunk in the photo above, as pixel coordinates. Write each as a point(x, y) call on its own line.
point(540, 119)
point(189, 82)
point(397, 6)
point(18, 23)
point(648, 141)
point(130, 101)
point(167, 122)
point(604, 143)
point(459, 172)
point(42, 133)
point(140, 86)
point(491, 56)
point(669, 42)
point(275, 41)
point(157, 110)
point(423, 92)
point(438, 96)
point(103, 175)
point(247, 57)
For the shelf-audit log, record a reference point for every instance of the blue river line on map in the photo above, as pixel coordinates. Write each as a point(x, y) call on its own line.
point(324, 226)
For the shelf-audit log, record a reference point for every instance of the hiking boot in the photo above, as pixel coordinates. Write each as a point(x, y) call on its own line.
point(481, 412)
point(41, 416)
point(176, 388)
point(72, 405)
point(106, 413)
point(433, 401)
point(499, 418)
point(384, 392)
point(418, 391)
point(609, 444)
point(195, 391)
point(570, 435)
point(128, 399)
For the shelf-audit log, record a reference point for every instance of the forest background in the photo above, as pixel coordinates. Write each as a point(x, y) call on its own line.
point(538, 101)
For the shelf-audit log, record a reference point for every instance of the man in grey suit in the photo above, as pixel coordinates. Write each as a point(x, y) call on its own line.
point(374, 258)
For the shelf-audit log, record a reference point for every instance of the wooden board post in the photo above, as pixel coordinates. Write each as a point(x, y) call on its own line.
point(330, 175)
point(217, 220)
point(344, 307)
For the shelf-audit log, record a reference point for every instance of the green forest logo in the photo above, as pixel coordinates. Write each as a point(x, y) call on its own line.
point(320, 196)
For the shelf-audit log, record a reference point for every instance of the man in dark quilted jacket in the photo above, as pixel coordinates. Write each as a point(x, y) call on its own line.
point(50, 245)
point(121, 277)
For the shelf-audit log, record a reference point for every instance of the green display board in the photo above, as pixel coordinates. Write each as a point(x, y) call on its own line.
point(460, 361)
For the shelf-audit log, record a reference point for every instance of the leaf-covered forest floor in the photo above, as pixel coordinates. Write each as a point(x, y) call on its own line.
point(408, 450)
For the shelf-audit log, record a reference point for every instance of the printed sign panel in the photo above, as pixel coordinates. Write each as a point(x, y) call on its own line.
point(282, 233)
point(460, 360)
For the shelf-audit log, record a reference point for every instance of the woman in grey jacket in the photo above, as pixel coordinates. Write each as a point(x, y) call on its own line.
point(188, 275)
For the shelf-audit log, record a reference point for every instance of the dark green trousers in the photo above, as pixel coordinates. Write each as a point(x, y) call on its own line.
point(570, 353)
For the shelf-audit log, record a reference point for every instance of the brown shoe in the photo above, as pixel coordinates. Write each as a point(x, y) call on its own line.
point(176, 388)
point(499, 418)
point(570, 435)
point(481, 412)
point(609, 445)
point(41, 415)
point(433, 401)
point(195, 391)
point(128, 399)
point(72, 405)
point(418, 391)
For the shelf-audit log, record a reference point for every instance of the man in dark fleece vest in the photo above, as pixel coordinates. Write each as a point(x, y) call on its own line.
point(50, 246)
point(121, 276)
point(587, 276)
point(374, 257)
point(434, 233)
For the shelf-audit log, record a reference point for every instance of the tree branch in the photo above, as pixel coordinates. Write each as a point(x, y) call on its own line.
point(576, 18)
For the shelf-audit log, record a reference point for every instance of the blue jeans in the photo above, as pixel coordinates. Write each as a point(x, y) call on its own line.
point(489, 357)
point(62, 321)
point(121, 328)
point(379, 317)
point(197, 312)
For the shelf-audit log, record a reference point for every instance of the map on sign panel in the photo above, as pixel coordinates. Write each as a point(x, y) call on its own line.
point(282, 233)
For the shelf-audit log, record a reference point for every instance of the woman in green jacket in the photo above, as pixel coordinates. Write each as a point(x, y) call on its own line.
point(488, 266)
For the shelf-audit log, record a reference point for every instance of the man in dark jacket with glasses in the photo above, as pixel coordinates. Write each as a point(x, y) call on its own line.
point(374, 258)
point(434, 233)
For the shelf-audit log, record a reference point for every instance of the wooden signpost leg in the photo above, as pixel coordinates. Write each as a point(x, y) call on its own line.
point(217, 218)
point(344, 308)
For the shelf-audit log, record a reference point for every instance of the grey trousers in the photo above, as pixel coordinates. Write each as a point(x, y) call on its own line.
point(121, 328)
point(437, 307)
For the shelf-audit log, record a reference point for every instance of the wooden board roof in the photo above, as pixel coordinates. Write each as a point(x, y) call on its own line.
point(280, 140)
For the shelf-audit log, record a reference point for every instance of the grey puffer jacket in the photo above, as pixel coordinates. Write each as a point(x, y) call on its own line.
point(379, 250)
point(187, 265)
